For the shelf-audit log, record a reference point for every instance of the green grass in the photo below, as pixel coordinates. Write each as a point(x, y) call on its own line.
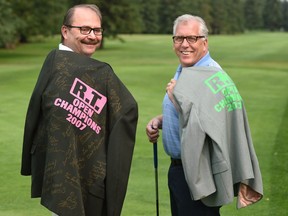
point(258, 64)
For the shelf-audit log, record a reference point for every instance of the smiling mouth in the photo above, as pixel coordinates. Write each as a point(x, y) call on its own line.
point(91, 44)
point(186, 52)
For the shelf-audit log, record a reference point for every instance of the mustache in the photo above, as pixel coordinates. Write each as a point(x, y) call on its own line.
point(90, 42)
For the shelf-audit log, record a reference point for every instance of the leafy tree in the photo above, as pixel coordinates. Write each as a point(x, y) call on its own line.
point(272, 15)
point(9, 25)
point(40, 17)
point(49, 16)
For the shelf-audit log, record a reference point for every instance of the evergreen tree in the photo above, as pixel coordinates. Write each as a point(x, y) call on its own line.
point(285, 15)
point(220, 17)
point(252, 12)
point(149, 15)
point(272, 15)
point(206, 13)
point(120, 16)
point(167, 16)
point(169, 10)
point(21, 19)
point(235, 17)
point(189, 7)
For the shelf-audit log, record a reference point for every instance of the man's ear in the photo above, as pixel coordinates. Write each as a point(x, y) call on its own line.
point(64, 30)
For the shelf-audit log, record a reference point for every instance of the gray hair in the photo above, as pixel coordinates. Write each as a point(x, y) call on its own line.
point(188, 17)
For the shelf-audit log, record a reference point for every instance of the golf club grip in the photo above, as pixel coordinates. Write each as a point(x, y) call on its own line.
point(155, 155)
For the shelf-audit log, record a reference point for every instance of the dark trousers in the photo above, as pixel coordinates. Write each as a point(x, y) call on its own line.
point(180, 199)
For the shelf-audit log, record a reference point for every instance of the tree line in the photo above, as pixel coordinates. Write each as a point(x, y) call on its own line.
point(22, 19)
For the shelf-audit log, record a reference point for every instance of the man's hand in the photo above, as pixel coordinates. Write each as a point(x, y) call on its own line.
point(152, 129)
point(169, 90)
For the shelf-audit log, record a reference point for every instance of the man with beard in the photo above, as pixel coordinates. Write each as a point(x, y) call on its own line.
point(80, 126)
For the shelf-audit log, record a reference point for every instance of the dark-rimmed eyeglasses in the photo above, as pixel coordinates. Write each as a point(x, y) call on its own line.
point(86, 30)
point(190, 39)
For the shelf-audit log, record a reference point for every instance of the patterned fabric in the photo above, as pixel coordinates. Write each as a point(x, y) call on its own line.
point(79, 136)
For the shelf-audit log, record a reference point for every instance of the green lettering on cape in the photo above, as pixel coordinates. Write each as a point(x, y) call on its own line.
point(221, 83)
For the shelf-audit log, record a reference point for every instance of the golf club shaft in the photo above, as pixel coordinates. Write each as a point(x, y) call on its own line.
point(156, 175)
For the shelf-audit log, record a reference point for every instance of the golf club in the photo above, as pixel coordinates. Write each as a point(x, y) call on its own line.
point(156, 175)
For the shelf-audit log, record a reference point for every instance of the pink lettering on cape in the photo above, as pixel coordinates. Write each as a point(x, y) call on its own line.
point(88, 95)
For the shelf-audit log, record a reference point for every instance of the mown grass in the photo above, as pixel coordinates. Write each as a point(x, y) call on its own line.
point(258, 64)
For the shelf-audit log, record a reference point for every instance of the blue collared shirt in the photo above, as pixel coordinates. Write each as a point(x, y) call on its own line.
point(170, 124)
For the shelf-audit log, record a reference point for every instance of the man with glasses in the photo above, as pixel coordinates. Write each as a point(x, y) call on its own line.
point(80, 126)
point(82, 30)
point(190, 43)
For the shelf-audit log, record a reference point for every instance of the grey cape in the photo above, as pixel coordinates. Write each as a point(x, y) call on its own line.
point(79, 136)
point(217, 151)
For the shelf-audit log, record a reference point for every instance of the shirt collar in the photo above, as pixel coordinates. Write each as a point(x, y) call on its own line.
point(65, 48)
point(204, 61)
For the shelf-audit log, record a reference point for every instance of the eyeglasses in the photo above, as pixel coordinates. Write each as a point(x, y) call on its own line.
point(190, 39)
point(86, 30)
